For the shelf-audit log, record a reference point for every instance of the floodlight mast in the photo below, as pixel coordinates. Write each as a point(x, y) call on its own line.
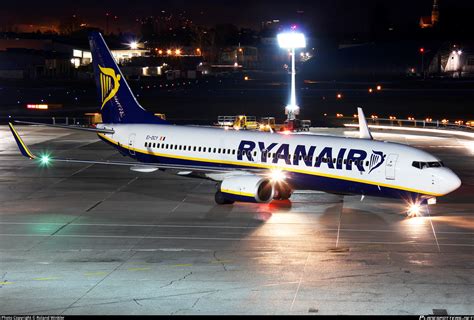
point(292, 40)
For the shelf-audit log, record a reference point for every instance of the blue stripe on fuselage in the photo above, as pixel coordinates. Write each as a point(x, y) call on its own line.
point(298, 180)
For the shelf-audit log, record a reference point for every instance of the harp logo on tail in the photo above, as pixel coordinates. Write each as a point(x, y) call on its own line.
point(376, 160)
point(109, 84)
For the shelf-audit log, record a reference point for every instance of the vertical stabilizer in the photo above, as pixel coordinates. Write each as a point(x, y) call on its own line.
point(117, 102)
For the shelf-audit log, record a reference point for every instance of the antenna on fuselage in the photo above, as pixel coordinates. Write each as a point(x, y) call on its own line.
point(364, 132)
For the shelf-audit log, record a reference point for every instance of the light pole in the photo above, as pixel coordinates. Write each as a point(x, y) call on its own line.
point(292, 40)
point(422, 51)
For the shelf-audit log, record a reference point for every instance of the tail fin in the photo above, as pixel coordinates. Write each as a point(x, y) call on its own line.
point(118, 104)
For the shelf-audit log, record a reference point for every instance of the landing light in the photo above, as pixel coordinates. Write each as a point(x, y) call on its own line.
point(414, 210)
point(276, 175)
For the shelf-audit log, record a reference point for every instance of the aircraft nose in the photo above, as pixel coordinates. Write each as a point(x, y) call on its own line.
point(448, 181)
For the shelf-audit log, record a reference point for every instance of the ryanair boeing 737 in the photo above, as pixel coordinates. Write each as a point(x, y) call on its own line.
point(256, 166)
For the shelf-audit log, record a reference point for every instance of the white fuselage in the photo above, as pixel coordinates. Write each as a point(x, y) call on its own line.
point(333, 164)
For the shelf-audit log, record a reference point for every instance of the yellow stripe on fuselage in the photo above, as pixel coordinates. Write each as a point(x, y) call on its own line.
point(269, 166)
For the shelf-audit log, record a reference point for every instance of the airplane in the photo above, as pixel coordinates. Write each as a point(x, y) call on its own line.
point(252, 166)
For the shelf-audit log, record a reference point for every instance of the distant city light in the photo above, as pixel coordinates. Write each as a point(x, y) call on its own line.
point(236, 64)
point(246, 78)
point(370, 90)
point(168, 52)
point(339, 96)
point(133, 45)
point(379, 87)
point(422, 50)
point(37, 106)
point(160, 51)
point(177, 52)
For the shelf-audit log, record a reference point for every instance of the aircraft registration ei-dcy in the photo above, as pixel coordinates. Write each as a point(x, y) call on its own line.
point(254, 166)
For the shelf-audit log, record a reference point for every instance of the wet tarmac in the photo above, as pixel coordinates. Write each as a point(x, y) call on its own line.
point(82, 239)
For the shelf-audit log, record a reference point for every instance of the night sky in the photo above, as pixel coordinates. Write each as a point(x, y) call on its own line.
point(335, 15)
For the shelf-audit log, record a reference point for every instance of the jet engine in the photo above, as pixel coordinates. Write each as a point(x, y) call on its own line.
point(245, 188)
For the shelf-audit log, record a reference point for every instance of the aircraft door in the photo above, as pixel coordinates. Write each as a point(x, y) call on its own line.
point(131, 143)
point(390, 166)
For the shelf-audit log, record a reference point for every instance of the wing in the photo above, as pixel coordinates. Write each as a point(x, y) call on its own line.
point(68, 127)
point(136, 166)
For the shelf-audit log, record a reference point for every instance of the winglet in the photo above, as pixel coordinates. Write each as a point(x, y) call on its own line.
point(364, 132)
point(21, 145)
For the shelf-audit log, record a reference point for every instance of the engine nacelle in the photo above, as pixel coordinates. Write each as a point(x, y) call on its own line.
point(247, 189)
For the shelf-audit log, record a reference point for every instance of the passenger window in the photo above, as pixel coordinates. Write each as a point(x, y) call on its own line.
point(157, 145)
point(233, 151)
point(200, 148)
point(194, 148)
point(367, 163)
point(345, 161)
point(339, 160)
point(418, 164)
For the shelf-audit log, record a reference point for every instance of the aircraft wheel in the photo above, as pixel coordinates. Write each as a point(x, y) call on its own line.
point(220, 199)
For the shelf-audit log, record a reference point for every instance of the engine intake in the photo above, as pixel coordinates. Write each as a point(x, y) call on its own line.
point(247, 189)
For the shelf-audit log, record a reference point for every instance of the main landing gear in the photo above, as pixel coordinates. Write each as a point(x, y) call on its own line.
point(220, 199)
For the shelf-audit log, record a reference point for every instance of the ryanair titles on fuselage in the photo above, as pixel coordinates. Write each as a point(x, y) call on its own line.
point(311, 156)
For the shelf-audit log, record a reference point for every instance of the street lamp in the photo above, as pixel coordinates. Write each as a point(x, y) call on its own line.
point(133, 45)
point(292, 40)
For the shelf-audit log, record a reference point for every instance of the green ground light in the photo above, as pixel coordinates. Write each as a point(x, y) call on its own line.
point(45, 160)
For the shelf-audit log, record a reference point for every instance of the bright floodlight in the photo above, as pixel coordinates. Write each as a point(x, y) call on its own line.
point(133, 45)
point(291, 40)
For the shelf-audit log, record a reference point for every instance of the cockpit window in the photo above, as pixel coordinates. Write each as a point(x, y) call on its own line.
point(430, 164)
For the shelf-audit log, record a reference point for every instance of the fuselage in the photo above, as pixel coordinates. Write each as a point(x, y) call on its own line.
point(315, 162)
